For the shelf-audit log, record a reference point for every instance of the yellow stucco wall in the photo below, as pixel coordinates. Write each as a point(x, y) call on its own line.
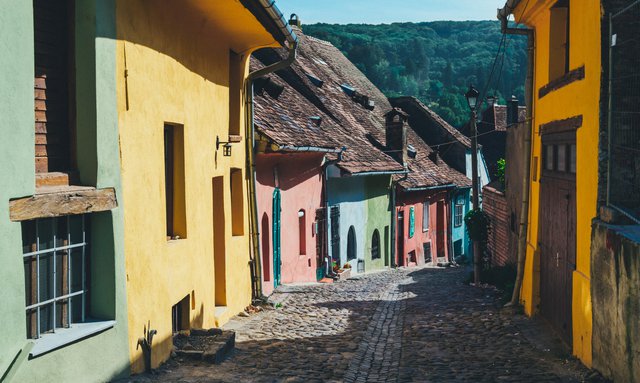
point(578, 98)
point(173, 67)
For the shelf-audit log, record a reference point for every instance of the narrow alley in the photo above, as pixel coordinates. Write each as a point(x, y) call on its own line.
point(422, 325)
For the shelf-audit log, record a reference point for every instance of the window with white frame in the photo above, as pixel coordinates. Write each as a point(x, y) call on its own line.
point(55, 259)
point(458, 214)
point(425, 216)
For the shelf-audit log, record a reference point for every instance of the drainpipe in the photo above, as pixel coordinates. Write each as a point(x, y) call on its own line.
point(292, 41)
point(503, 14)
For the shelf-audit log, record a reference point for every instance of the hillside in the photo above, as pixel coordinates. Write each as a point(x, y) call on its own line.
point(434, 61)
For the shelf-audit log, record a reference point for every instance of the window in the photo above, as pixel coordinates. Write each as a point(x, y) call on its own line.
point(237, 203)
point(54, 67)
point(375, 245)
point(351, 244)
point(457, 248)
point(55, 263)
point(425, 216)
point(180, 315)
point(302, 232)
point(559, 158)
point(412, 221)
point(458, 214)
point(559, 40)
point(426, 248)
point(174, 169)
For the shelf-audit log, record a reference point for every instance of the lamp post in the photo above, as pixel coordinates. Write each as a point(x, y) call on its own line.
point(472, 99)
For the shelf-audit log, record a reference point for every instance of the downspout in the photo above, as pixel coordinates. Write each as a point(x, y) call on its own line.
point(503, 14)
point(292, 40)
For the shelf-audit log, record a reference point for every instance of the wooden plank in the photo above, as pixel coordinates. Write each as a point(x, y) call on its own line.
point(64, 201)
point(560, 126)
point(570, 77)
point(42, 164)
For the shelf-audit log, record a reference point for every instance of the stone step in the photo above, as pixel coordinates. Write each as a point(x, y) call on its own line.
point(210, 345)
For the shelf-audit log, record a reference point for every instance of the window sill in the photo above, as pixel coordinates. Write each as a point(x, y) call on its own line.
point(65, 336)
point(60, 201)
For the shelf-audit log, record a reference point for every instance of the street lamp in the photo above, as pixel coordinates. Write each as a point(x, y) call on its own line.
point(472, 99)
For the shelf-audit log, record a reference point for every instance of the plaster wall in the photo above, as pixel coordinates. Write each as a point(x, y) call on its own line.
point(99, 357)
point(173, 65)
point(417, 199)
point(459, 233)
point(615, 290)
point(578, 98)
point(299, 177)
point(364, 204)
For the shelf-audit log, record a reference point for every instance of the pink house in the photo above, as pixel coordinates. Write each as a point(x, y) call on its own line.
point(423, 205)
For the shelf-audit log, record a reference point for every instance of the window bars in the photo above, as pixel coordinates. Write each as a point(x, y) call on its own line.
point(55, 264)
point(623, 168)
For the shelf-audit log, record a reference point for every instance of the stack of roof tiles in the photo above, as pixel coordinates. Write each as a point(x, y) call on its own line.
point(328, 103)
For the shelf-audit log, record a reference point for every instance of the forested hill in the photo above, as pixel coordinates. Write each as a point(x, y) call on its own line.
point(434, 61)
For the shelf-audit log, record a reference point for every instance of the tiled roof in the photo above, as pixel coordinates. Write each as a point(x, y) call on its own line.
point(345, 122)
point(497, 115)
point(416, 108)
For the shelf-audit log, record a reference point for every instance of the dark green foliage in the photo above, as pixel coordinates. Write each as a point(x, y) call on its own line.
point(500, 171)
point(434, 61)
point(477, 223)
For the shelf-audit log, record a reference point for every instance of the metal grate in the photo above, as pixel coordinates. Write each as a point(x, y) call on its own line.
point(55, 264)
point(623, 184)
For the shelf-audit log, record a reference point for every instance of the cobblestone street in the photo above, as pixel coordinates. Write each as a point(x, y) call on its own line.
point(403, 325)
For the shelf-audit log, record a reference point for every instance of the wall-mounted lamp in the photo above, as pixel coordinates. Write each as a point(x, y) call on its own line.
point(226, 148)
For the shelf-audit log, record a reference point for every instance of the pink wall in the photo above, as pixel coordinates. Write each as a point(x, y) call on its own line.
point(300, 181)
point(404, 202)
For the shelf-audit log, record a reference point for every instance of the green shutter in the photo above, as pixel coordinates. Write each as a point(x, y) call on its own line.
point(412, 221)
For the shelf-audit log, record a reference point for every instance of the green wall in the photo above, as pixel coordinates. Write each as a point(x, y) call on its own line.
point(104, 356)
point(377, 189)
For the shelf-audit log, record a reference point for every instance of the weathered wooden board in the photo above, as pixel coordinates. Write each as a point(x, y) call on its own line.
point(61, 203)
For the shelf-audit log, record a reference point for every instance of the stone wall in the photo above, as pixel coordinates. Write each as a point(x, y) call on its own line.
point(615, 290)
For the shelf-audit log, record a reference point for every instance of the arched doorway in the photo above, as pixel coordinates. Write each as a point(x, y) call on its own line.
point(351, 244)
point(266, 251)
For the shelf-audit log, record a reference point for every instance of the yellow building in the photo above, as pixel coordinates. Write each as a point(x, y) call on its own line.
point(181, 67)
point(564, 163)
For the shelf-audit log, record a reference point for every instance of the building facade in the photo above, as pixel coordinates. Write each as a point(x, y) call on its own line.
point(63, 275)
point(180, 86)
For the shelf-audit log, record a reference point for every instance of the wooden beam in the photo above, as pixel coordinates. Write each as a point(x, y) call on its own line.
point(560, 126)
point(61, 203)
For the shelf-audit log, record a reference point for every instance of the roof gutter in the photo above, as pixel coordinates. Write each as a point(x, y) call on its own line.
point(308, 149)
point(424, 188)
point(379, 173)
point(292, 41)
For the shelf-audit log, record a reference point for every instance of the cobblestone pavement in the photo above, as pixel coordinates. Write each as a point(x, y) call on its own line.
point(403, 325)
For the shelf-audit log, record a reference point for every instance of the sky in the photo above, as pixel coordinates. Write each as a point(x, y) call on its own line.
point(386, 11)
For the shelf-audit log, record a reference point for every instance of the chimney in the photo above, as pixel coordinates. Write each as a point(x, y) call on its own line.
point(396, 134)
point(434, 157)
point(512, 111)
point(491, 100)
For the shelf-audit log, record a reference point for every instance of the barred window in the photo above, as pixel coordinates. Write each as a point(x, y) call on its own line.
point(55, 262)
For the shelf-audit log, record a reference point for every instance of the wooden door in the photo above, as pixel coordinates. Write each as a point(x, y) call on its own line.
point(335, 233)
point(440, 230)
point(401, 238)
point(557, 232)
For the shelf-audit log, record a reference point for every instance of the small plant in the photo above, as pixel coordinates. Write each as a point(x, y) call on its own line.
point(500, 171)
point(278, 305)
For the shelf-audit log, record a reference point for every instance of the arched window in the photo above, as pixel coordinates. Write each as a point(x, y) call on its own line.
point(351, 244)
point(302, 231)
point(375, 245)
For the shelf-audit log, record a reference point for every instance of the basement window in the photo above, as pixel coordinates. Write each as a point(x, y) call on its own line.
point(180, 315)
point(559, 40)
point(174, 177)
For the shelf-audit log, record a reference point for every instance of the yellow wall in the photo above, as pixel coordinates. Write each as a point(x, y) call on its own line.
point(176, 61)
point(578, 98)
